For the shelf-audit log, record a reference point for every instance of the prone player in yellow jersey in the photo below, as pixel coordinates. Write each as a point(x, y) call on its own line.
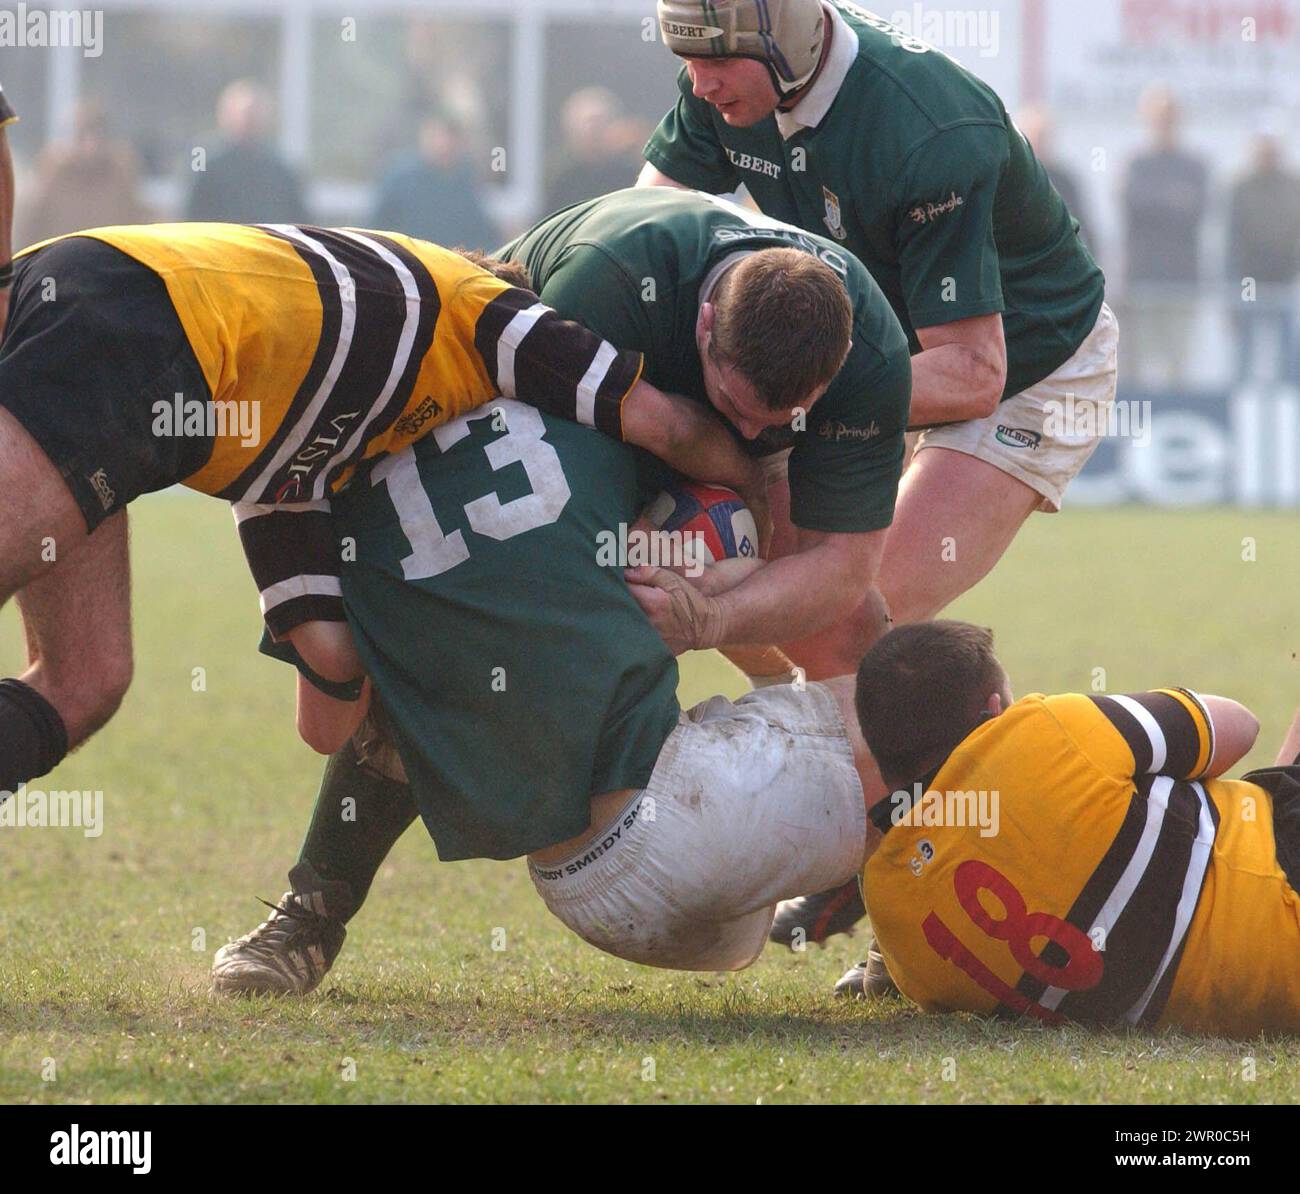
point(259, 364)
point(1076, 857)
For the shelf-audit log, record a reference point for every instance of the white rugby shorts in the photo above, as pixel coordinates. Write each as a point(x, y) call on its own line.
point(751, 802)
point(1044, 435)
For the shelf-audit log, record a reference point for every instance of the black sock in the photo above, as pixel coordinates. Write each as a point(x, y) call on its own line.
point(33, 738)
point(359, 816)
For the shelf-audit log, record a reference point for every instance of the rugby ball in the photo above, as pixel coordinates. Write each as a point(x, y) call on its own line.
point(715, 522)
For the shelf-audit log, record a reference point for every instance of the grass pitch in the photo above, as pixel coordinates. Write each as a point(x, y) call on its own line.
point(105, 942)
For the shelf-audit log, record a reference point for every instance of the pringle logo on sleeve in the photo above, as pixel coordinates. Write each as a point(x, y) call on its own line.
point(833, 429)
point(929, 212)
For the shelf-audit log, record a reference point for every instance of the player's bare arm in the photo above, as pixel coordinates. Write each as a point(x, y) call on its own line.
point(695, 442)
point(961, 371)
point(325, 723)
point(812, 588)
point(1235, 731)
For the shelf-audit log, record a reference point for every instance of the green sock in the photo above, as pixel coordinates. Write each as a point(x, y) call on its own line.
point(358, 818)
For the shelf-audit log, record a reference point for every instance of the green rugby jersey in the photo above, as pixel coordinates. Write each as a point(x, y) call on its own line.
point(520, 676)
point(914, 165)
point(631, 266)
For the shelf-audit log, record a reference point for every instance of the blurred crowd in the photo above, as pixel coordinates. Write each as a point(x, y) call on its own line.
point(438, 185)
point(435, 188)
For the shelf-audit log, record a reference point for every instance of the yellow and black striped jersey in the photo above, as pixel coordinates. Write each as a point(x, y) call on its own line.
point(349, 344)
point(1061, 861)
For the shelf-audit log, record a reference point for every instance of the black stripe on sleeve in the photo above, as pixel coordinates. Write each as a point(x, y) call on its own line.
point(1177, 725)
point(1182, 738)
point(1130, 729)
point(295, 549)
point(310, 607)
point(553, 360)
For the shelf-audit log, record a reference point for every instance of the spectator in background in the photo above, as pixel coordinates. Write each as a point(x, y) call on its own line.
point(434, 193)
point(1165, 196)
point(246, 181)
point(1264, 249)
point(87, 182)
point(601, 150)
point(1038, 128)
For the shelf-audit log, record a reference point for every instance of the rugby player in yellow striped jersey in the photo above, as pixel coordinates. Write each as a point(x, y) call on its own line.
point(259, 364)
point(1076, 857)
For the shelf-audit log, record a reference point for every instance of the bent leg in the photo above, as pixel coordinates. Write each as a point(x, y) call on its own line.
point(77, 618)
point(42, 522)
point(955, 518)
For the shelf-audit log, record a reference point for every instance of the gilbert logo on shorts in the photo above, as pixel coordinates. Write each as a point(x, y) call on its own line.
point(1019, 437)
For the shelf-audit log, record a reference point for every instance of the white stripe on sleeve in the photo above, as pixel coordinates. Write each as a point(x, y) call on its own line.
point(590, 385)
point(1156, 736)
point(508, 345)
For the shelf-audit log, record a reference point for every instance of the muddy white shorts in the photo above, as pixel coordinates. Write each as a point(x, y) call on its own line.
point(750, 803)
point(1044, 435)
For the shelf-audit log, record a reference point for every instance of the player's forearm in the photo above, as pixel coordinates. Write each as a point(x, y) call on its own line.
point(328, 649)
point(326, 723)
point(794, 596)
point(695, 442)
point(1235, 731)
point(953, 383)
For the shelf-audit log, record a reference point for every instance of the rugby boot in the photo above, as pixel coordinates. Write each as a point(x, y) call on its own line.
point(292, 950)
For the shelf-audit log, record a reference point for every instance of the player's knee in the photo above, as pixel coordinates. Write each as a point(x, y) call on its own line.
point(114, 682)
point(88, 696)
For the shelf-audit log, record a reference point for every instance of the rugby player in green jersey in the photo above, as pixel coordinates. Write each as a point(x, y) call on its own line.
point(750, 314)
point(540, 717)
point(843, 124)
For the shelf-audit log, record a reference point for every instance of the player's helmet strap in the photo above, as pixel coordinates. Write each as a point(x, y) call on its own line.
point(785, 35)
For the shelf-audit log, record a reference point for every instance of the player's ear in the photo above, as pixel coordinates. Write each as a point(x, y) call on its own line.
point(704, 324)
point(994, 705)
